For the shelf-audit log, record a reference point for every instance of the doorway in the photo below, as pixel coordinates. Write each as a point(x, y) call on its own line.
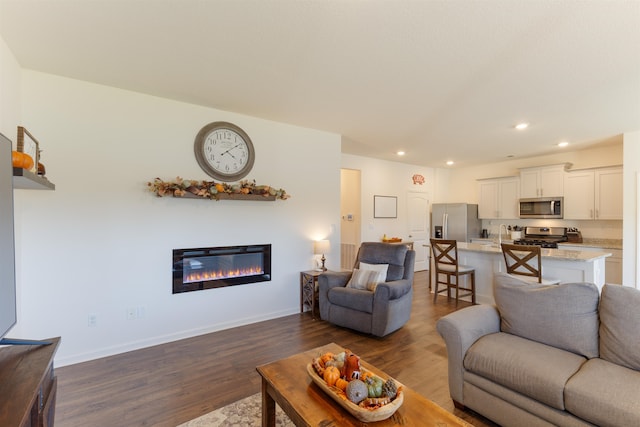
point(350, 214)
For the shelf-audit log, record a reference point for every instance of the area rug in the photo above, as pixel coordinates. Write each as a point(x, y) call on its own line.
point(243, 413)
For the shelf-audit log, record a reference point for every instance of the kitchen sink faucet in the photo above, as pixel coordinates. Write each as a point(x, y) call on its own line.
point(500, 233)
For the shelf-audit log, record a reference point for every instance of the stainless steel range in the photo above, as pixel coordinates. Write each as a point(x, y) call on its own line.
point(546, 237)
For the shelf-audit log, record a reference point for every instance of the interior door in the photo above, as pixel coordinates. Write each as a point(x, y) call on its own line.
point(418, 225)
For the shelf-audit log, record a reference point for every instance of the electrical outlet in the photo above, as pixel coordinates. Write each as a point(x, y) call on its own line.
point(92, 320)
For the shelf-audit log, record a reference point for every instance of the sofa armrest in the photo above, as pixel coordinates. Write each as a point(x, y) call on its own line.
point(394, 289)
point(326, 281)
point(332, 279)
point(460, 330)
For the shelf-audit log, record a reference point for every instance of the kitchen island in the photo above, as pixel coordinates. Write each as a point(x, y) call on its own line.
point(565, 265)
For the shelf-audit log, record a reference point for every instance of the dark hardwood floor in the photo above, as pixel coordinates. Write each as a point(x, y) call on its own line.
point(169, 384)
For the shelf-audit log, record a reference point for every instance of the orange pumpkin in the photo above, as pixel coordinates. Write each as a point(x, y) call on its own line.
point(331, 375)
point(21, 160)
point(342, 384)
point(326, 357)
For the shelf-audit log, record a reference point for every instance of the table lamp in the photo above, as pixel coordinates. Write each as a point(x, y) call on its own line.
point(322, 247)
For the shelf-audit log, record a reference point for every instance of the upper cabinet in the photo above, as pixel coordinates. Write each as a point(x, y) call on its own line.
point(593, 194)
point(498, 198)
point(544, 181)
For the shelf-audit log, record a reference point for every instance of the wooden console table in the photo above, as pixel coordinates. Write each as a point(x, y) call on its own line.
point(28, 385)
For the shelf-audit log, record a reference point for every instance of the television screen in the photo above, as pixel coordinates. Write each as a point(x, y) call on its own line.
point(7, 245)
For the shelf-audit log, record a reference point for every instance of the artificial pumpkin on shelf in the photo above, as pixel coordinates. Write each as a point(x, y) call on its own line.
point(21, 160)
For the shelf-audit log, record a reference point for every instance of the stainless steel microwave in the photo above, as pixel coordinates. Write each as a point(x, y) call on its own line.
point(542, 207)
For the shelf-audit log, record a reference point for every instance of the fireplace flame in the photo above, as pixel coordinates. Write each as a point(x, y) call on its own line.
point(201, 276)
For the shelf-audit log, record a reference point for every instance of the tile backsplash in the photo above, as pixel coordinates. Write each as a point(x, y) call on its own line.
point(611, 229)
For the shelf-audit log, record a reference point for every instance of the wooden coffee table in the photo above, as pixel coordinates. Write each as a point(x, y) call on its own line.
point(286, 382)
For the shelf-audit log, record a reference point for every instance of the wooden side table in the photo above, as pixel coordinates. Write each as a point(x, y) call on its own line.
point(309, 290)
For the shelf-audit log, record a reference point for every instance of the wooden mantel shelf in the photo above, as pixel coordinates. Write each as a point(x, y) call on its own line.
point(228, 196)
point(28, 180)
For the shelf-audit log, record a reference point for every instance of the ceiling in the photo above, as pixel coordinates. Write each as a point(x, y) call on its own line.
point(440, 80)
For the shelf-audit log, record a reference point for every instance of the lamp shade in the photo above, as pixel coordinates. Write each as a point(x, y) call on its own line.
point(321, 247)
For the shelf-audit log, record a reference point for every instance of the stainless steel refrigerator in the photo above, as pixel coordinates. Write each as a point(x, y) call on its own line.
point(455, 221)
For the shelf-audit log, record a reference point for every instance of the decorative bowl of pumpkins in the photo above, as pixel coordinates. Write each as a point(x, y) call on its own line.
point(365, 395)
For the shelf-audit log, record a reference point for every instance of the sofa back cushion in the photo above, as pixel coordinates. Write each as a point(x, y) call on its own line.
point(620, 326)
point(563, 316)
point(384, 253)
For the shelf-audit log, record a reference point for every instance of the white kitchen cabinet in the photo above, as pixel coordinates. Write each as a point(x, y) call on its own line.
point(593, 194)
point(608, 193)
point(498, 198)
point(544, 181)
point(613, 264)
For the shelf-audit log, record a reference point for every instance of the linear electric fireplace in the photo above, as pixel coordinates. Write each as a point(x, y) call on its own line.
point(207, 268)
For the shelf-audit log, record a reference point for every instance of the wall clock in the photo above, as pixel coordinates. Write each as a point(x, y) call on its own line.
point(224, 151)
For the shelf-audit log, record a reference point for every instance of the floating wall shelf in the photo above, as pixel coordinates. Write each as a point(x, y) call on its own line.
point(226, 196)
point(210, 190)
point(28, 180)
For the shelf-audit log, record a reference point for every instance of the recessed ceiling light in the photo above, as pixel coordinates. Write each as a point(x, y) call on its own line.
point(521, 126)
point(450, 162)
point(400, 153)
point(563, 144)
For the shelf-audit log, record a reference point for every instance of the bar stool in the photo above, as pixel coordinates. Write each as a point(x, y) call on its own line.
point(525, 261)
point(445, 255)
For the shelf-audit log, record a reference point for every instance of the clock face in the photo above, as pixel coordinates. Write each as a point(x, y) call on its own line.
point(224, 151)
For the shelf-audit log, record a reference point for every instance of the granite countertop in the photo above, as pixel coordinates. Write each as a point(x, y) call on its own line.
point(597, 243)
point(586, 242)
point(567, 255)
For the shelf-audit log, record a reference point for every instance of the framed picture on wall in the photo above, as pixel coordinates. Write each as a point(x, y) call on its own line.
point(385, 206)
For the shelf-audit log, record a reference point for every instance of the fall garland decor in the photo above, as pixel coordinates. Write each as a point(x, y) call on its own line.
point(243, 190)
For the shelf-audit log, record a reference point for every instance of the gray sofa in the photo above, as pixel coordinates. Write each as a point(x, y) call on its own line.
point(380, 311)
point(548, 355)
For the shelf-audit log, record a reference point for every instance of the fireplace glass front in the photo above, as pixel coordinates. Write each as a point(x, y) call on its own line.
point(206, 268)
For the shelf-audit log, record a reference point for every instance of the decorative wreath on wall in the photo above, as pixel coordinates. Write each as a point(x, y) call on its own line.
point(244, 190)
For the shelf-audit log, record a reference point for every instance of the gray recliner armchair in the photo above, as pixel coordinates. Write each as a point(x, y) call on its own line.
point(380, 311)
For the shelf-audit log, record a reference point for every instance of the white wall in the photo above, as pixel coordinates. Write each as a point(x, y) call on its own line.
point(9, 93)
point(101, 243)
point(631, 239)
point(384, 178)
